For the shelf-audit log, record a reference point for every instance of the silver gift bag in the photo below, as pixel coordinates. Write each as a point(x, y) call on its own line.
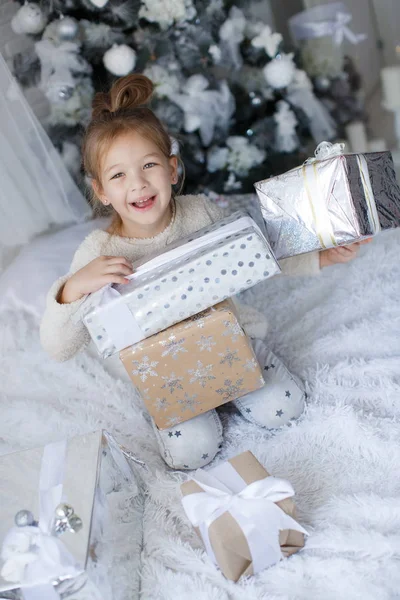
point(71, 521)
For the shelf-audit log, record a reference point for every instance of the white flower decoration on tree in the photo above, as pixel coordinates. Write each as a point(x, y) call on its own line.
point(280, 71)
point(267, 40)
point(231, 34)
point(166, 83)
point(243, 156)
point(204, 109)
point(238, 156)
point(286, 139)
point(216, 53)
point(167, 12)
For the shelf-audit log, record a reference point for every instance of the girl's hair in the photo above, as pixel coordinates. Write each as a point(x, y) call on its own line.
point(121, 110)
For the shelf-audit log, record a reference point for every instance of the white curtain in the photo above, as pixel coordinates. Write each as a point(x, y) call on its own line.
point(36, 190)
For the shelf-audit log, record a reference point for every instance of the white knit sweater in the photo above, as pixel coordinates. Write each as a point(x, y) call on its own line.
point(62, 338)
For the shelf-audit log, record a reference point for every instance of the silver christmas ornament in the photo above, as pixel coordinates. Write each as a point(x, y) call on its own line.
point(67, 29)
point(75, 524)
point(322, 83)
point(65, 92)
point(64, 511)
point(24, 518)
point(255, 99)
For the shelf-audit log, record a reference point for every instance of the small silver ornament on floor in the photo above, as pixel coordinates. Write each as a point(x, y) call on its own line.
point(24, 518)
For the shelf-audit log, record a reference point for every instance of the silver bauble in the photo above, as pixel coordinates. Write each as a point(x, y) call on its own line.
point(64, 511)
point(75, 524)
point(65, 92)
point(24, 518)
point(67, 29)
point(322, 83)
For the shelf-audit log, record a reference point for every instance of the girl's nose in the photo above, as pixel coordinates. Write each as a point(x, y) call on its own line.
point(138, 182)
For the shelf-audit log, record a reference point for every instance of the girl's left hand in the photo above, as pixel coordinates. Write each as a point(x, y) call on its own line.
point(341, 254)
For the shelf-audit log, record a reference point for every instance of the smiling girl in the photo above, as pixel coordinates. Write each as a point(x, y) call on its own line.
point(127, 154)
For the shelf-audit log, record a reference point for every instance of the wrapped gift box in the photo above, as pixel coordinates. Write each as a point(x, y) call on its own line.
point(54, 557)
point(193, 274)
point(331, 202)
point(194, 366)
point(245, 517)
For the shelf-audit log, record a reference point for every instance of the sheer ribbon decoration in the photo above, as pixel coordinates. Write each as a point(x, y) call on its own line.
point(37, 191)
point(323, 21)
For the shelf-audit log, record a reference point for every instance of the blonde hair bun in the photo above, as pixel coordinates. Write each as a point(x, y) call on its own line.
point(125, 94)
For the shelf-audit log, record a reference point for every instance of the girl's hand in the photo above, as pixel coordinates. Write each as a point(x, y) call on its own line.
point(341, 254)
point(92, 277)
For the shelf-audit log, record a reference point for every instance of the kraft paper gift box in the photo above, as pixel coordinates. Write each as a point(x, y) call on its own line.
point(245, 517)
point(81, 555)
point(194, 366)
point(330, 202)
point(192, 274)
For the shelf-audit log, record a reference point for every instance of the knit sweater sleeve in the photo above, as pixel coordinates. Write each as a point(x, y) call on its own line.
point(60, 336)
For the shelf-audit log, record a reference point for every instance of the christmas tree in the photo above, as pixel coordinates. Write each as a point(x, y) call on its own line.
point(236, 101)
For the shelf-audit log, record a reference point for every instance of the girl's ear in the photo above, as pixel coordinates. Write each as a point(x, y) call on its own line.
point(98, 190)
point(173, 163)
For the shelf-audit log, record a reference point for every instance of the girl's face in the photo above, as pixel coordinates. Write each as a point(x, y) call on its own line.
point(136, 180)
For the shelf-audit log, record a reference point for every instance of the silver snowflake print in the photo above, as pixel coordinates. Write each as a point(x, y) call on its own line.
point(173, 346)
point(206, 342)
point(172, 421)
point(229, 357)
point(145, 368)
point(233, 329)
point(172, 383)
point(161, 404)
point(232, 390)
point(250, 365)
point(202, 374)
point(189, 403)
point(198, 319)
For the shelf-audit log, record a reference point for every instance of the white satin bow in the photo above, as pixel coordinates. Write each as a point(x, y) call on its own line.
point(255, 510)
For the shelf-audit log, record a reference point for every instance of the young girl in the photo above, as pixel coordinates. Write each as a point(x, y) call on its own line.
point(127, 155)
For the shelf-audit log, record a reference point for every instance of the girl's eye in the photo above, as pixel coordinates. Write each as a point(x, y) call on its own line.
point(148, 165)
point(117, 176)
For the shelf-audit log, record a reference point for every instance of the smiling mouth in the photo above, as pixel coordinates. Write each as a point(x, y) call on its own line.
point(143, 203)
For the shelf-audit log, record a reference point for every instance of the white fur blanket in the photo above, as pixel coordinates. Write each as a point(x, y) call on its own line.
point(340, 333)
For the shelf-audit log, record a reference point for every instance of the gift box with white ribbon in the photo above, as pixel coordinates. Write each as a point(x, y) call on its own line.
point(64, 524)
point(245, 517)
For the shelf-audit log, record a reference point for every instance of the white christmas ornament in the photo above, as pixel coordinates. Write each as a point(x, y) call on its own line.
point(99, 3)
point(280, 71)
point(268, 40)
point(28, 19)
point(120, 59)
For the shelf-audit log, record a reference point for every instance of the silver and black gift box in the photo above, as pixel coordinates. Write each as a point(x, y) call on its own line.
point(331, 202)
